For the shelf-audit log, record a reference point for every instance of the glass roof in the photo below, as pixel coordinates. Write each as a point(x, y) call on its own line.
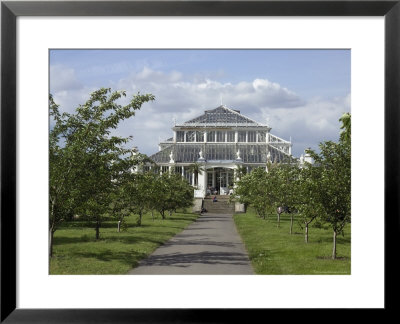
point(221, 116)
point(190, 153)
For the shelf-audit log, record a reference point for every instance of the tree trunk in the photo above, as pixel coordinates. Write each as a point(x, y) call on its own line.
point(140, 218)
point(279, 219)
point(152, 214)
point(170, 213)
point(291, 224)
point(119, 226)
point(51, 231)
point(306, 233)
point(334, 245)
point(97, 230)
point(51, 236)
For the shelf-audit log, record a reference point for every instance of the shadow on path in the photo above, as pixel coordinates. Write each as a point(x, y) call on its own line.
point(186, 259)
point(211, 245)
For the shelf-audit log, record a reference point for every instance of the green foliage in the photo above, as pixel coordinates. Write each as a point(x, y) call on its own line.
point(85, 159)
point(284, 177)
point(240, 171)
point(257, 189)
point(334, 183)
point(196, 169)
point(171, 192)
point(345, 135)
point(266, 191)
point(319, 190)
point(333, 165)
point(134, 195)
point(308, 204)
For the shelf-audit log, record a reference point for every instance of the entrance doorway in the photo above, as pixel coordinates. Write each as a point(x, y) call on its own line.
point(220, 180)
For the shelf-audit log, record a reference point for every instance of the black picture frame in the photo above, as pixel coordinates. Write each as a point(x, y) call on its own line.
point(10, 10)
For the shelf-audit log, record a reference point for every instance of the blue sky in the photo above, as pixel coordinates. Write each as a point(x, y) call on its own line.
point(300, 93)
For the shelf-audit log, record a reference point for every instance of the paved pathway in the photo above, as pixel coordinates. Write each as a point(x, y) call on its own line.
point(210, 245)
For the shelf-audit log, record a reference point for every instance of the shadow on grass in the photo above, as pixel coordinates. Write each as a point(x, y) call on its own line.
point(129, 238)
point(130, 258)
point(111, 223)
point(88, 225)
point(61, 240)
point(339, 240)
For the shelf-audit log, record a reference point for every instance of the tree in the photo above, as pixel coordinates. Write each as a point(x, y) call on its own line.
point(133, 188)
point(85, 157)
point(62, 191)
point(172, 192)
point(243, 191)
point(284, 180)
point(180, 193)
point(118, 208)
point(240, 171)
point(345, 135)
point(153, 192)
point(334, 185)
point(256, 189)
point(139, 191)
point(196, 169)
point(308, 204)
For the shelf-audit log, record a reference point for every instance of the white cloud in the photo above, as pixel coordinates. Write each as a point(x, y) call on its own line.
point(174, 92)
point(308, 125)
point(63, 78)
point(67, 90)
point(183, 97)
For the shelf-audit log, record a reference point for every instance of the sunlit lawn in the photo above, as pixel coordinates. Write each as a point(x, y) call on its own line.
point(76, 251)
point(273, 250)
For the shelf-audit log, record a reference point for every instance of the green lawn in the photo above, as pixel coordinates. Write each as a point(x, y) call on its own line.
point(273, 250)
point(76, 250)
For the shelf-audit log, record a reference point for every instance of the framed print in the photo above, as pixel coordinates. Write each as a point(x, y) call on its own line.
point(34, 32)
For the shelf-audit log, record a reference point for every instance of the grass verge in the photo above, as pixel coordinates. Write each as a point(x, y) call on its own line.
point(274, 251)
point(76, 251)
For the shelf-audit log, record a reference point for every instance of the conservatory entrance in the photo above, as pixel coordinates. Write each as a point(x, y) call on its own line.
point(219, 181)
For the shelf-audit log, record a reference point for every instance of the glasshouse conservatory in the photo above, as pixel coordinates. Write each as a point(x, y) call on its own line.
point(221, 141)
